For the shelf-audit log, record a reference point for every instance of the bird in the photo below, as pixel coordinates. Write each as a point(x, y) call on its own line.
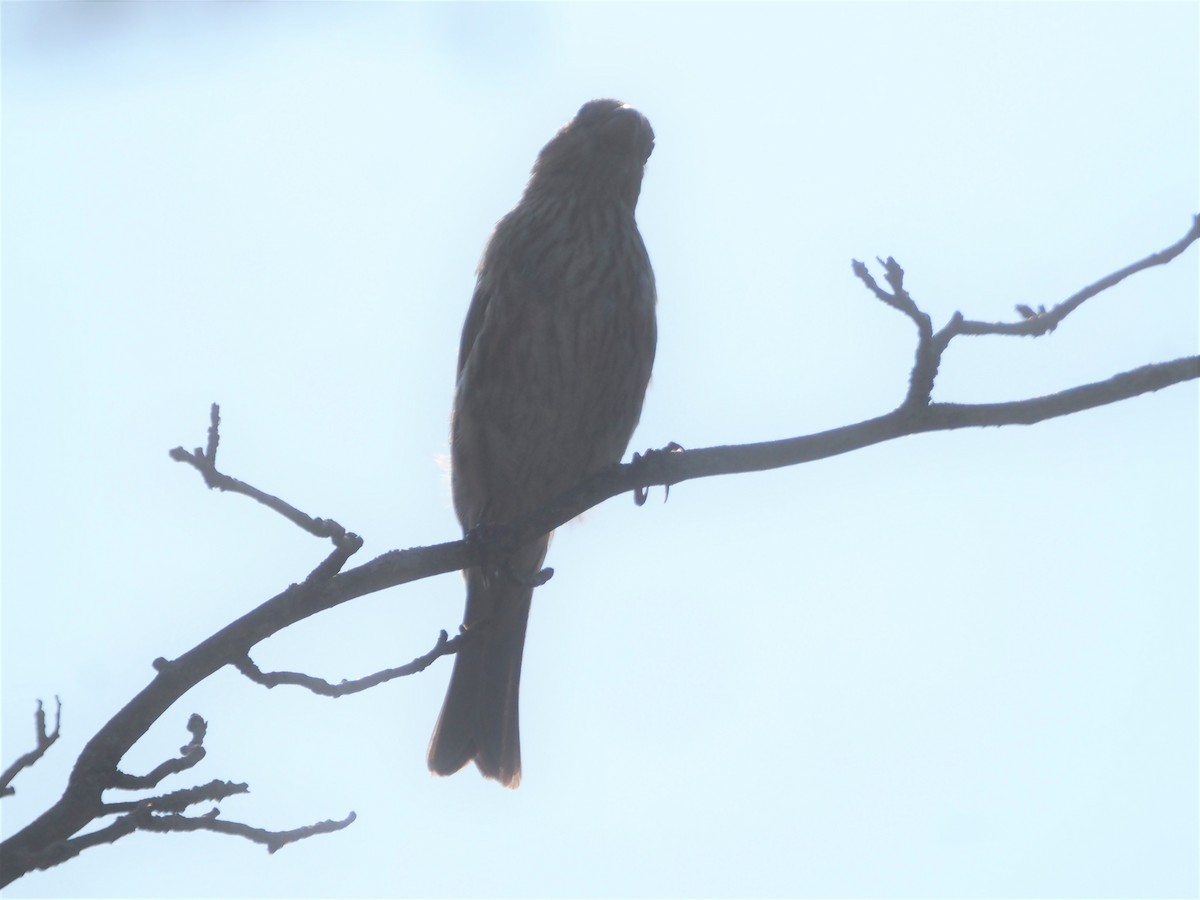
point(553, 365)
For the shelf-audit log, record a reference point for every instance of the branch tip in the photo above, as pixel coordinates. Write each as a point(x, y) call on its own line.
point(49, 840)
point(204, 461)
point(43, 740)
point(443, 646)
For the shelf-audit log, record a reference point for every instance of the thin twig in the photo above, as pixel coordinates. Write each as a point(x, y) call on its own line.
point(1043, 321)
point(143, 818)
point(272, 840)
point(189, 755)
point(44, 741)
point(96, 766)
point(444, 647)
point(205, 462)
point(178, 801)
point(931, 347)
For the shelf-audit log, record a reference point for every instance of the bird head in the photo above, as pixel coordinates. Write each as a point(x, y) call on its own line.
point(601, 152)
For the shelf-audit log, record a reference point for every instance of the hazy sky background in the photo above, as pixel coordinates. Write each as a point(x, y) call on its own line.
point(958, 665)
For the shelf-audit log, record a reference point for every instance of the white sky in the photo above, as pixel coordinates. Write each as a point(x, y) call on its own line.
point(959, 665)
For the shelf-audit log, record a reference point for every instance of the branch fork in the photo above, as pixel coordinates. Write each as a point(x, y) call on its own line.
point(51, 838)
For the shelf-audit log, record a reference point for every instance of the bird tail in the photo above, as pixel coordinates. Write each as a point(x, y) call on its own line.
point(479, 719)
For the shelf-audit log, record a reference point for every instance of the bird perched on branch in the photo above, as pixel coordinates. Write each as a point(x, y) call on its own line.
point(553, 365)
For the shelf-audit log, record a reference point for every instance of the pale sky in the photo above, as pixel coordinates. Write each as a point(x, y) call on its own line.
point(956, 665)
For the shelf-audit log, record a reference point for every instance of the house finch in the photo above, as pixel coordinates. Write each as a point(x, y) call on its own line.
point(555, 357)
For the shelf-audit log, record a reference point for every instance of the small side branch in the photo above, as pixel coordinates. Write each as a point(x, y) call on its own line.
point(189, 755)
point(444, 647)
point(164, 815)
point(178, 801)
point(204, 461)
point(1042, 321)
point(929, 352)
point(932, 346)
point(44, 740)
point(272, 840)
point(52, 836)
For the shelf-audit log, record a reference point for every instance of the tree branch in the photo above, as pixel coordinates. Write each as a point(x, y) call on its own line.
point(44, 741)
point(444, 647)
point(204, 461)
point(164, 814)
point(189, 755)
point(1044, 321)
point(328, 586)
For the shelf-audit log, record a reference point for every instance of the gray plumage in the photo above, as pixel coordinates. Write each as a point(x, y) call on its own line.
point(555, 357)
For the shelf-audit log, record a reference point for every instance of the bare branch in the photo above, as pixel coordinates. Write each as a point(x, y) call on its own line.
point(43, 742)
point(344, 546)
point(945, 416)
point(205, 462)
point(272, 840)
point(931, 347)
point(189, 755)
point(444, 647)
point(145, 817)
point(1044, 321)
point(178, 801)
point(328, 586)
point(929, 352)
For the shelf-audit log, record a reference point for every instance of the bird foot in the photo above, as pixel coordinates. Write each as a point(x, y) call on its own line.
point(492, 547)
point(642, 460)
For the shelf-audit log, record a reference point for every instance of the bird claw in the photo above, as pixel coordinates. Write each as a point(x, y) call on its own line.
point(538, 578)
point(492, 547)
point(641, 492)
